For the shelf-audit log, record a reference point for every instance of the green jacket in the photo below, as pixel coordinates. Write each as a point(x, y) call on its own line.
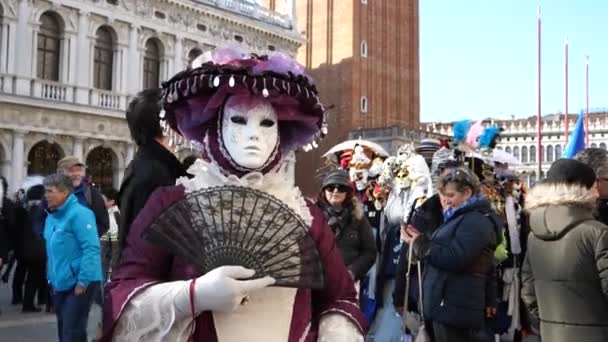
point(565, 274)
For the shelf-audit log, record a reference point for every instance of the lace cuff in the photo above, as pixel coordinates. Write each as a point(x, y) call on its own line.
point(335, 327)
point(153, 316)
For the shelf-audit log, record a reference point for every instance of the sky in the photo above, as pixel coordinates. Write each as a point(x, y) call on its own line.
point(478, 58)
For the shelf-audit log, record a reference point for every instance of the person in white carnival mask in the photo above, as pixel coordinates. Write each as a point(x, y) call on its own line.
point(246, 114)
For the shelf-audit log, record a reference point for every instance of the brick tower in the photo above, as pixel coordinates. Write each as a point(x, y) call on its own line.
point(363, 55)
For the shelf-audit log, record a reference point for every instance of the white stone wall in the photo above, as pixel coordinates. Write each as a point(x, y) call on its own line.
point(81, 117)
point(521, 133)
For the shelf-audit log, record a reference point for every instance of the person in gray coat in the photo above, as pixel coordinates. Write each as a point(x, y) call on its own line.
point(565, 274)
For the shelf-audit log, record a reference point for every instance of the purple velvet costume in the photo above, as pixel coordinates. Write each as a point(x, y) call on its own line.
point(144, 264)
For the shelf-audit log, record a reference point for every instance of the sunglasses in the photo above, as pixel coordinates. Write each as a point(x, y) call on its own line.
point(340, 188)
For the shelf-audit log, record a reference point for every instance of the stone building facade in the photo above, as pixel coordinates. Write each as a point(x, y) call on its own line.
point(69, 67)
point(364, 56)
point(520, 139)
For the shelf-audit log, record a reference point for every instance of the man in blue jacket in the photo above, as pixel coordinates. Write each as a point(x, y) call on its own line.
point(74, 260)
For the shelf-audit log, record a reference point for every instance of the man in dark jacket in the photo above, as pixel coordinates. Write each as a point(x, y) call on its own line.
point(565, 274)
point(597, 159)
point(7, 222)
point(86, 194)
point(153, 165)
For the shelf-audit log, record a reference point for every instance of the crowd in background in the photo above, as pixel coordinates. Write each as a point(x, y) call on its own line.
point(487, 266)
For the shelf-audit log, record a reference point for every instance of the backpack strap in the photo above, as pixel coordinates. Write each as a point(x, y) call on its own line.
point(88, 196)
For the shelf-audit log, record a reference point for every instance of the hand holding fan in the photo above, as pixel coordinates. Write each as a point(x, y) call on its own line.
point(233, 225)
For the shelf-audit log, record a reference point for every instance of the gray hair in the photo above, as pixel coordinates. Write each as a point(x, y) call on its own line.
point(462, 177)
point(59, 181)
point(596, 158)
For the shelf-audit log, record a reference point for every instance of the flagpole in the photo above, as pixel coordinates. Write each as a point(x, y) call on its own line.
point(566, 85)
point(586, 100)
point(538, 115)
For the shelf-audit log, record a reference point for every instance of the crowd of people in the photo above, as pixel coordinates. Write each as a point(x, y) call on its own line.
point(436, 243)
point(55, 235)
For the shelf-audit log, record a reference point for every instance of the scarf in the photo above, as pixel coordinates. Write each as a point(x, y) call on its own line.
point(337, 219)
point(449, 212)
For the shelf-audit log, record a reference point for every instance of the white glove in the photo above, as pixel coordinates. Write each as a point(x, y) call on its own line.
point(219, 290)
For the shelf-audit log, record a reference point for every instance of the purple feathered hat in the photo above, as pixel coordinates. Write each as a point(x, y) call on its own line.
point(195, 98)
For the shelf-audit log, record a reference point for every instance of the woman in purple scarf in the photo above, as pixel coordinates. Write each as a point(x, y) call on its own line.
point(247, 115)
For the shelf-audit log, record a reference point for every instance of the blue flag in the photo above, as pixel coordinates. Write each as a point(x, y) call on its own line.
point(576, 142)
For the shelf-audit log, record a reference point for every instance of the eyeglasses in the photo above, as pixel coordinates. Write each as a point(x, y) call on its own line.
point(340, 188)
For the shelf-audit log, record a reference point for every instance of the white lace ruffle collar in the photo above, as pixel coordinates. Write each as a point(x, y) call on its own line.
point(278, 183)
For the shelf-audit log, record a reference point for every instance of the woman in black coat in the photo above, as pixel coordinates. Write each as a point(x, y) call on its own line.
point(346, 218)
point(458, 258)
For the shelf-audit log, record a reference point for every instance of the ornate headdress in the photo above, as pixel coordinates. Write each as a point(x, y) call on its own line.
point(194, 100)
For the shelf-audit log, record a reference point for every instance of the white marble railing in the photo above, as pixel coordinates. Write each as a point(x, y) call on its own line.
point(50, 90)
point(55, 91)
point(107, 99)
point(251, 10)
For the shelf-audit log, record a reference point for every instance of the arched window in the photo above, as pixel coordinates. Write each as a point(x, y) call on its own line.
point(48, 48)
point(364, 48)
point(499, 148)
point(193, 54)
point(593, 145)
point(508, 149)
point(603, 146)
point(516, 152)
point(532, 154)
point(43, 158)
point(558, 152)
point(364, 104)
point(103, 59)
point(524, 154)
point(100, 170)
point(550, 154)
point(152, 64)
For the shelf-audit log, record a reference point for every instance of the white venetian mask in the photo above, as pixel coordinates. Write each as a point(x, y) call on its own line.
point(359, 177)
point(250, 135)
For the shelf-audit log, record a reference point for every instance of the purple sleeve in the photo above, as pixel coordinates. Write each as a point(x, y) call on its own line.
point(339, 294)
point(141, 263)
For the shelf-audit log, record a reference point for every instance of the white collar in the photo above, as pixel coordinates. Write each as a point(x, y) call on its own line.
point(279, 183)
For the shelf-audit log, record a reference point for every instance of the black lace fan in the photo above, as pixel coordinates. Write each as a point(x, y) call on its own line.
point(232, 225)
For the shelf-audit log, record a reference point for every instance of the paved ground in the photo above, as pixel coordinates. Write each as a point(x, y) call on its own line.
point(39, 327)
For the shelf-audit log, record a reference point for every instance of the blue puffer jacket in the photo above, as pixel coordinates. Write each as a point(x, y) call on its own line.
point(459, 259)
point(72, 246)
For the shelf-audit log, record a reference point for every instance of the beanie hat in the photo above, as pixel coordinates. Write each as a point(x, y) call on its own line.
point(570, 172)
point(337, 177)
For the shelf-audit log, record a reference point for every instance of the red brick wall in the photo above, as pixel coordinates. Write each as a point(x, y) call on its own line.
point(389, 76)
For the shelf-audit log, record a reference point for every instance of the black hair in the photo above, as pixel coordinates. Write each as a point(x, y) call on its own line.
point(596, 158)
point(143, 116)
point(111, 194)
point(188, 161)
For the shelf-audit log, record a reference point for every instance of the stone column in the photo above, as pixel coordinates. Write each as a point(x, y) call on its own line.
point(178, 59)
point(78, 148)
point(133, 72)
point(6, 172)
point(83, 59)
point(290, 10)
point(25, 50)
point(130, 154)
point(70, 57)
point(18, 158)
point(4, 38)
point(12, 46)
